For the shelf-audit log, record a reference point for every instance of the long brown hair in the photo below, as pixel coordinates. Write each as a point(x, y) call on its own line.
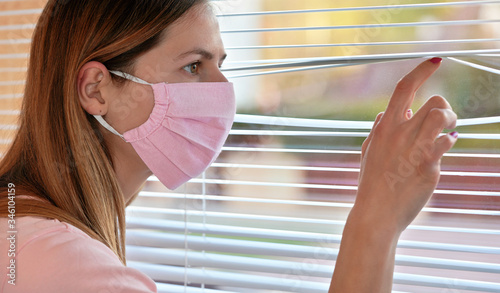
point(59, 155)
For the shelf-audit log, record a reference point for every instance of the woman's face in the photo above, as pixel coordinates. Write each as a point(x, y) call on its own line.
point(191, 50)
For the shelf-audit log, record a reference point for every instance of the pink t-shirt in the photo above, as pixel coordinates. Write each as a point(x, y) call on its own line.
point(52, 256)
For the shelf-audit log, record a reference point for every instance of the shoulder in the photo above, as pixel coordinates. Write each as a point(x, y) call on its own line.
point(58, 257)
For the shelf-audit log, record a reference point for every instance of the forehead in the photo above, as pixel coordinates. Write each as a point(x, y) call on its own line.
point(198, 14)
point(198, 28)
point(196, 31)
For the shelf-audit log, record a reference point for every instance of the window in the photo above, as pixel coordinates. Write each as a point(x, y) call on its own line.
point(17, 19)
point(310, 77)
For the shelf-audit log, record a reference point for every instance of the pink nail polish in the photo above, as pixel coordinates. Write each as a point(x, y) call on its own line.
point(454, 134)
point(436, 60)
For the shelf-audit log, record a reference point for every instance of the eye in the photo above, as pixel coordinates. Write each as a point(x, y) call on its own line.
point(192, 68)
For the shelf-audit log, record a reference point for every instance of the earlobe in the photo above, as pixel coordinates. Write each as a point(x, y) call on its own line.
point(92, 78)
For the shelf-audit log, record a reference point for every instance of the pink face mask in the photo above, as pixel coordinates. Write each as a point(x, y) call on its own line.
point(186, 129)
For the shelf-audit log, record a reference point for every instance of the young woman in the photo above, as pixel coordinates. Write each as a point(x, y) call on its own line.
point(118, 92)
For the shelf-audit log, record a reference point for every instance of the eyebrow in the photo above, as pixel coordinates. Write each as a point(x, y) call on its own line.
point(198, 51)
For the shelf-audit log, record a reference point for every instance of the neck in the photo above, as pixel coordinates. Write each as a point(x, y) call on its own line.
point(130, 170)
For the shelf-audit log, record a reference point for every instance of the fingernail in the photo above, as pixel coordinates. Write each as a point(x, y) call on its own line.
point(436, 60)
point(454, 134)
point(409, 113)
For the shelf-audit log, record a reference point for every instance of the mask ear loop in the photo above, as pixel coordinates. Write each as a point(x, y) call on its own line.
point(129, 77)
point(107, 126)
point(126, 76)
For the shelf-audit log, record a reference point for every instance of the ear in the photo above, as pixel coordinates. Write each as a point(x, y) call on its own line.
point(93, 77)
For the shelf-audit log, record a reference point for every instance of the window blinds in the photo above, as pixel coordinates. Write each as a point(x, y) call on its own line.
point(17, 19)
point(267, 216)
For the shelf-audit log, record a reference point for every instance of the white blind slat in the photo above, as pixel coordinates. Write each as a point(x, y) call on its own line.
point(177, 274)
point(398, 43)
point(340, 124)
point(20, 12)
point(207, 214)
point(17, 27)
point(241, 263)
point(382, 7)
point(365, 26)
point(176, 226)
point(169, 288)
point(329, 186)
point(307, 203)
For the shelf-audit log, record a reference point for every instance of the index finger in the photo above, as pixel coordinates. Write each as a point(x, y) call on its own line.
point(403, 95)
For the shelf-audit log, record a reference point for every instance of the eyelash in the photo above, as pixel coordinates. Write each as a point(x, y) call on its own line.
point(188, 68)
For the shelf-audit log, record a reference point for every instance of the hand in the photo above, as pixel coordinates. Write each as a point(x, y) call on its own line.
point(400, 166)
point(400, 162)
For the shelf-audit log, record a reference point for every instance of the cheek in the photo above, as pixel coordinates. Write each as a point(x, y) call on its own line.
point(132, 108)
point(143, 100)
